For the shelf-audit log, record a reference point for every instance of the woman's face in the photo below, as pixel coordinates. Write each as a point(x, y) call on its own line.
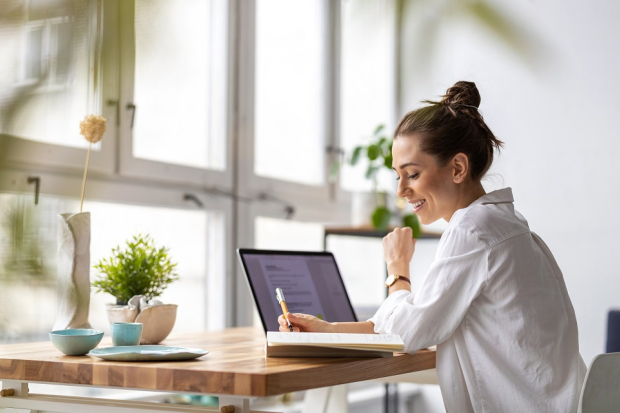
point(429, 188)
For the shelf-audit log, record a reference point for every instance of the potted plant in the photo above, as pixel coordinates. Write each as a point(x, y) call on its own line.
point(378, 154)
point(135, 275)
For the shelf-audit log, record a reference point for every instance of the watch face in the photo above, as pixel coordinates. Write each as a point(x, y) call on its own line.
point(391, 279)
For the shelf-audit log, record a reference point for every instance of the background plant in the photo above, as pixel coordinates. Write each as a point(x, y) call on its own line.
point(140, 268)
point(378, 154)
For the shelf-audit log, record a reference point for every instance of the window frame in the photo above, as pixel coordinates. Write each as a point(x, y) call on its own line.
point(234, 193)
point(131, 166)
point(116, 177)
point(256, 184)
point(22, 152)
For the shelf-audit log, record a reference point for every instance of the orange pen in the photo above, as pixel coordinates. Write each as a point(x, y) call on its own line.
point(280, 297)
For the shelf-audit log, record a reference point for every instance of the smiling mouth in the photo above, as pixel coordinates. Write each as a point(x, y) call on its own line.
point(417, 205)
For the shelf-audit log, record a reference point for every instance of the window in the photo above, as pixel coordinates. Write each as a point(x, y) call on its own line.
point(186, 234)
point(175, 118)
point(28, 269)
point(363, 269)
point(214, 120)
point(173, 110)
point(367, 81)
point(70, 61)
point(49, 69)
point(280, 234)
point(290, 91)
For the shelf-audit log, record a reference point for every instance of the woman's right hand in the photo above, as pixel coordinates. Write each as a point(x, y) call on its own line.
point(304, 323)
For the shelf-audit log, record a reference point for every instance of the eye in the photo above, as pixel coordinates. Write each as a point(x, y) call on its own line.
point(414, 176)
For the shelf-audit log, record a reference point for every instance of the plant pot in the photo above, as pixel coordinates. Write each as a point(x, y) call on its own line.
point(121, 313)
point(157, 320)
point(362, 206)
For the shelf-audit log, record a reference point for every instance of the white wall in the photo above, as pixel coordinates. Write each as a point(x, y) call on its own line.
point(558, 118)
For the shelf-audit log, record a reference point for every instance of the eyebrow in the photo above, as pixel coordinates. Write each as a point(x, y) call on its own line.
point(406, 165)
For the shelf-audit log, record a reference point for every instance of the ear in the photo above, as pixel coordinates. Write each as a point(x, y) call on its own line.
point(460, 167)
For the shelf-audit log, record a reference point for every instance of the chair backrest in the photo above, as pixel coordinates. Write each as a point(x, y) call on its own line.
point(613, 331)
point(601, 388)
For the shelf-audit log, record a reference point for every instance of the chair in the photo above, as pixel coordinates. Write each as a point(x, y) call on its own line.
point(613, 331)
point(601, 387)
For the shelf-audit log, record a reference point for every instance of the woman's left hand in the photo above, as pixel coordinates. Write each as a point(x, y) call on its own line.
point(398, 248)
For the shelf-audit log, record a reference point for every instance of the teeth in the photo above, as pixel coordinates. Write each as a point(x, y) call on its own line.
point(418, 204)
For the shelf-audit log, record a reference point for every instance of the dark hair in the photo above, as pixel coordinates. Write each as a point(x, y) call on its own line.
point(453, 125)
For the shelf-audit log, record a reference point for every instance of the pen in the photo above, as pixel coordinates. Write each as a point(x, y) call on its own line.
point(280, 297)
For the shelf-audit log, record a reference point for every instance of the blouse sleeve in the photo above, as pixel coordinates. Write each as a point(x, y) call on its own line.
point(432, 314)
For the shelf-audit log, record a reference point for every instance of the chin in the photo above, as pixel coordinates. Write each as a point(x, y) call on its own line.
point(426, 220)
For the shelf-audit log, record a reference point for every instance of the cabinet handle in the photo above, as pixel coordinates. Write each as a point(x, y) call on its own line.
point(133, 108)
point(37, 185)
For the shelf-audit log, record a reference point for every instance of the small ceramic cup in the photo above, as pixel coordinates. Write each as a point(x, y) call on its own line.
point(126, 334)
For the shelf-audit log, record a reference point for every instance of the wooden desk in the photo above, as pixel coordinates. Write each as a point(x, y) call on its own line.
point(235, 368)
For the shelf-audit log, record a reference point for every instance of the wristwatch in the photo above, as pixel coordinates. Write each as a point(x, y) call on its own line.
point(392, 278)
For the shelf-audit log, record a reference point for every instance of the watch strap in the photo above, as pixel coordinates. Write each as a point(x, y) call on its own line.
point(399, 277)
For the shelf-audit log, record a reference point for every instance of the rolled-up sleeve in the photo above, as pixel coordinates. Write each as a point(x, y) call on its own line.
point(432, 314)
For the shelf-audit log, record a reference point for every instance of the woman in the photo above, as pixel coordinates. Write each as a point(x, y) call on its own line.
point(494, 300)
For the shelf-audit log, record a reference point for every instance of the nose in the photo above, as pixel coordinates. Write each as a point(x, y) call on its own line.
point(403, 190)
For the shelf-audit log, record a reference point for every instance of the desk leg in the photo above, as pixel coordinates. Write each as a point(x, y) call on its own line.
point(19, 388)
point(326, 400)
point(241, 405)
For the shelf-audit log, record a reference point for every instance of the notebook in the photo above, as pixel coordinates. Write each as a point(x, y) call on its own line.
point(332, 345)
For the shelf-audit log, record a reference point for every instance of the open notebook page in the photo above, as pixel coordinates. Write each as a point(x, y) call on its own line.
point(385, 342)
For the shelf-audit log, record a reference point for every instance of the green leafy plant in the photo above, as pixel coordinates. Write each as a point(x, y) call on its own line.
point(378, 154)
point(140, 268)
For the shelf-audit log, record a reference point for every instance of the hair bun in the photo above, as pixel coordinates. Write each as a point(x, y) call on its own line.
point(462, 94)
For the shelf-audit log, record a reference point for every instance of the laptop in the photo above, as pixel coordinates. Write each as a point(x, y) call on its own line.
point(311, 283)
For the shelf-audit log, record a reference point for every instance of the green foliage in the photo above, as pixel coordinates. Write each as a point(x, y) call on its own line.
point(379, 156)
point(381, 217)
point(139, 269)
point(412, 221)
point(22, 247)
point(378, 152)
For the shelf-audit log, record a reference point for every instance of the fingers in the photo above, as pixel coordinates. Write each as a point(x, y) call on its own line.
point(300, 322)
point(284, 324)
point(286, 330)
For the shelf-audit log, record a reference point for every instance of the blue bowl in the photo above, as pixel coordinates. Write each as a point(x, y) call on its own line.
point(76, 342)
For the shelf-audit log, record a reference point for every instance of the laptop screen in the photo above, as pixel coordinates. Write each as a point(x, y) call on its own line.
point(310, 281)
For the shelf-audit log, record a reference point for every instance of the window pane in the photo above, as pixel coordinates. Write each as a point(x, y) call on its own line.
point(32, 65)
point(365, 78)
point(183, 232)
point(281, 234)
point(46, 67)
point(289, 142)
point(63, 51)
point(173, 83)
point(363, 269)
point(28, 261)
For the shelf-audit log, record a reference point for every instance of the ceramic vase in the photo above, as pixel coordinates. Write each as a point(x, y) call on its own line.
point(73, 270)
point(156, 317)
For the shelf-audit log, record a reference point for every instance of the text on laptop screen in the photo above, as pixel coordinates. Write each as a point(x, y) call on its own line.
point(311, 285)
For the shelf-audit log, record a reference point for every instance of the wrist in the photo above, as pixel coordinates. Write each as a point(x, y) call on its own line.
point(330, 327)
point(398, 267)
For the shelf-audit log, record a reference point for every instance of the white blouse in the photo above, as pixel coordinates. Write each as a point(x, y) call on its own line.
point(495, 304)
